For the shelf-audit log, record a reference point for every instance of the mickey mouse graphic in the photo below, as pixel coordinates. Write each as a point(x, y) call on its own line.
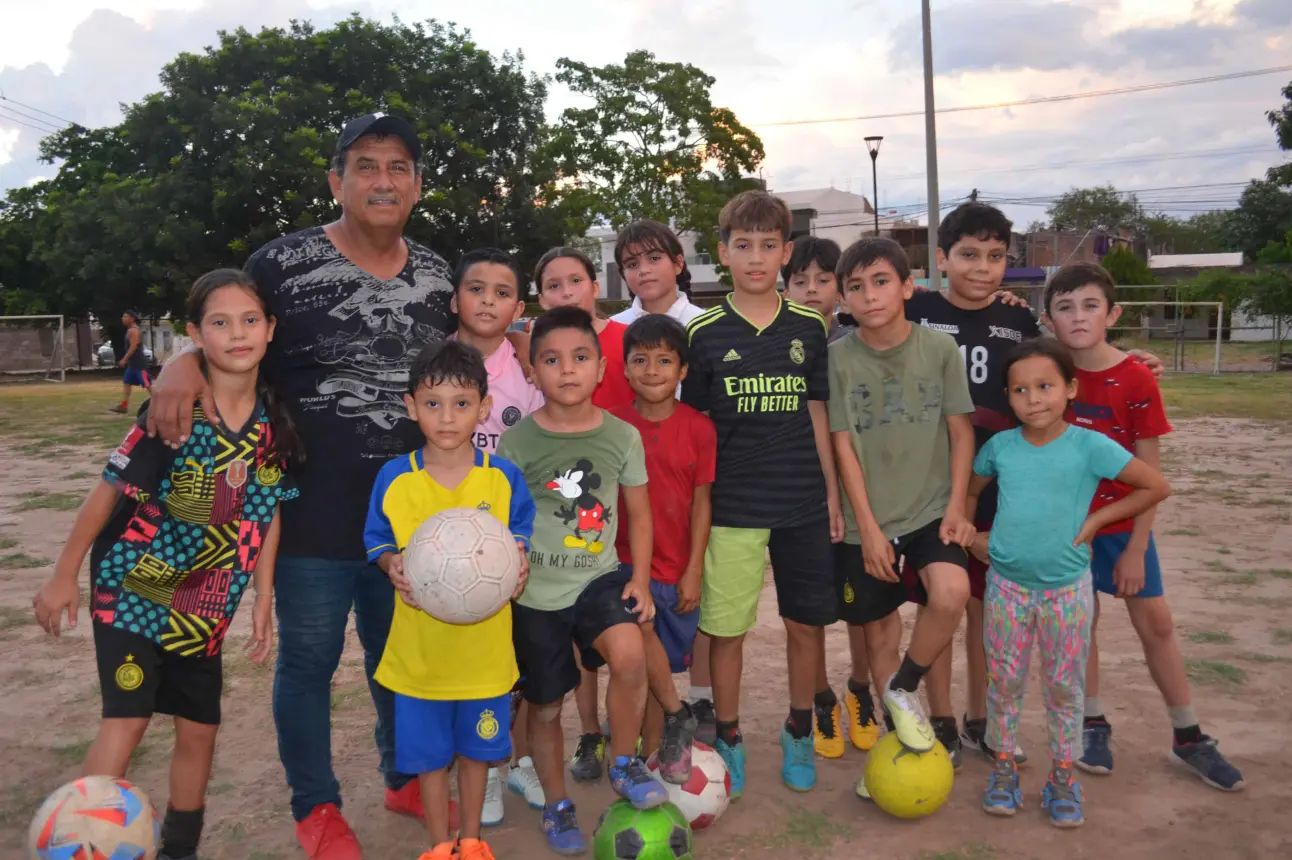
point(585, 515)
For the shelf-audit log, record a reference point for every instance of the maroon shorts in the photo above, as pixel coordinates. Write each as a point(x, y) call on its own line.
point(915, 592)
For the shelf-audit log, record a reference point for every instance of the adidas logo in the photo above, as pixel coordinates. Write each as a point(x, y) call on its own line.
point(731, 355)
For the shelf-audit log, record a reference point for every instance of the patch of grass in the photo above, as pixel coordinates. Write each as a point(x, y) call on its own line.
point(1186, 532)
point(347, 695)
point(8, 543)
point(967, 852)
point(1271, 502)
point(22, 561)
point(221, 788)
point(11, 617)
point(1257, 657)
point(1208, 473)
point(70, 754)
point(1223, 550)
point(18, 806)
point(1247, 577)
point(803, 833)
point(1211, 637)
point(80, 475)
point(232, 831)
point(1281, 637)
point(1281, 573)
point(1217, 565)
point(1262, 396)
point(1214, 673)
point(41, 500)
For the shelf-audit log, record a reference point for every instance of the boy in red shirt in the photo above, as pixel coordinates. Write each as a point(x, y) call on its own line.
point(681, 451)
point(1118, 396)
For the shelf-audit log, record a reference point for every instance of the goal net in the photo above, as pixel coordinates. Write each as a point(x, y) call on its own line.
point(36, 347)
point(1189, 337)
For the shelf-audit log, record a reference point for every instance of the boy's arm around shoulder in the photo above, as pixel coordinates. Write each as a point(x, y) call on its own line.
point(1112, 461)
point(958, 406)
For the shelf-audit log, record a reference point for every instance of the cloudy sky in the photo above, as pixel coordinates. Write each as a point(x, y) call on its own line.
point(776, 62)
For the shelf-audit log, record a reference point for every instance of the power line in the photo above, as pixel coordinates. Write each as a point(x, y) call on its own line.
point(1117, 91)
point(34, 119)
point(4, 98)
point(1135, 159)
point(29, 125)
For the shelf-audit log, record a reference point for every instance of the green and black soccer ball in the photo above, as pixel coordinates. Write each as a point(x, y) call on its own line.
point(625, 833)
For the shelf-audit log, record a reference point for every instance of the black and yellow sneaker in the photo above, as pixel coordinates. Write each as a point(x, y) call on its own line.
point(827, 738)
point(589, 760)
point(947, 731)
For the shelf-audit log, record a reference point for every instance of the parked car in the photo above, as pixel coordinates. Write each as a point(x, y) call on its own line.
point(104, 356)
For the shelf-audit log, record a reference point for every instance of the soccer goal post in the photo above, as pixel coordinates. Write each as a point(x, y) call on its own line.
point(34, 345)
point(1192, 333)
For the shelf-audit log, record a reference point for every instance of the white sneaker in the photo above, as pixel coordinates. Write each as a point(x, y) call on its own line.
point(912, 726)
point(523, 779)
point(491, 814)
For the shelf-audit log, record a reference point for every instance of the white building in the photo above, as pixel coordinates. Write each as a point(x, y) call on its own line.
point(1241, 326)
point(827, 212)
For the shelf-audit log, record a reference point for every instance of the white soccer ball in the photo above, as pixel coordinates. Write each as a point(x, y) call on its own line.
point(704, 797)
point(463, 565)
point(92, 817)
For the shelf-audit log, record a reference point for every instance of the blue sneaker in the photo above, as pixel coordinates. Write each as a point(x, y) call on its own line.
point(798, 767)
point(1003, 796)
point(1203, 759)
point(633, 782)
point(734, 758)
point(561, 828)
point(1097, 757)
point(1062, 798)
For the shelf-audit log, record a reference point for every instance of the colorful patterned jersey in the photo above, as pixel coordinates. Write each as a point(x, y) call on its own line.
point(175, 559)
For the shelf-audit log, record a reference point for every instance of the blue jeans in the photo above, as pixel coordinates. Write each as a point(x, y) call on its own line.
point(313, 600)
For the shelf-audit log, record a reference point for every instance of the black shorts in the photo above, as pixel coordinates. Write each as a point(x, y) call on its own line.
point(139, 678)
point(543, 637)
point(801, 559)
point(918, 550)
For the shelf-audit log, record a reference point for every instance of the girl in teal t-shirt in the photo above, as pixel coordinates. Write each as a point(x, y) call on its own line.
point(1039, 586)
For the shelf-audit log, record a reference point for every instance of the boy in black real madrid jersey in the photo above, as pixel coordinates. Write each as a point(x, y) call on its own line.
point(758, 367)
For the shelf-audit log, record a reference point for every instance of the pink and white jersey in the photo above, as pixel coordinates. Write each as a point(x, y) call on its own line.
point(513, 396)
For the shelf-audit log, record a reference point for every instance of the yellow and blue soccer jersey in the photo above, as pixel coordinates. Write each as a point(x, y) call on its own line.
point(426, 658)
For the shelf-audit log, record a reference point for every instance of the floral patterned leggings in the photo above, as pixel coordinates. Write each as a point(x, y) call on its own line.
point(1059, 620)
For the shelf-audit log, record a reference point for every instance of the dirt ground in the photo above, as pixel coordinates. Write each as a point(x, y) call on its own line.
point(1226, 544)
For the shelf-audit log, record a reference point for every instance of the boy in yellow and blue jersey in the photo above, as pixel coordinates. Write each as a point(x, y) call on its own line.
point(447, 708)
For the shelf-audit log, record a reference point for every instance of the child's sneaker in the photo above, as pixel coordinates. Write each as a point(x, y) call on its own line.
point(632, 781)
point(325, 835)
point(492, 812)
point(589, 759)
point(827, 740)
point(523, 779)
point(675, 747)
point(863, 791)
point(706, 721)
point(474, 849)
point(1062, 798)
point(1203, 759)
point(947, 732)
point(863, 731)
point(733, 756)
point(1003, 796)
point(909, 722)
point(974, 736)
point(798, 767)
point(443, 851)
point(561, 827)
point(1096, 755)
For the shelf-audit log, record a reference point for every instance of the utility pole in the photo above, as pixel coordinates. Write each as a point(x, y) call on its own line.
point(931, 147)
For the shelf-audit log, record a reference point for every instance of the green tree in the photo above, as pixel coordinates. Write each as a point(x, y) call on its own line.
point(1098, 208)
point(1201, 233)
point(1127, 269)
point(1281, 120)
point(234, 151)
point(1264, 215)
point(651, 144)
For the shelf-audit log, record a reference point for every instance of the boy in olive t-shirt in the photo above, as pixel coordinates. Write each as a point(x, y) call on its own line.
point(576, 459)
point(903, 441)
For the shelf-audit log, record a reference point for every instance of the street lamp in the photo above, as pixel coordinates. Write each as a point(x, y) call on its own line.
point(872, 144)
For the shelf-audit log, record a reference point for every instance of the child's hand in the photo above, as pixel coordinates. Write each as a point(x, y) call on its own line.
point(392, 564)
point(688, 591)
point(523, 578)
point(644, 604)
point(1128, 573)
point(836, 517)
point(262, 628)
point(1005, 297)
point(56, 596)
point(1087, 534)
point(979, 547)
point(955, 529)
point(878, 555)
point(1151, 361)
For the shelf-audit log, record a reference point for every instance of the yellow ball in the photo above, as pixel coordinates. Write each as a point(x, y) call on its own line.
point(908, 784)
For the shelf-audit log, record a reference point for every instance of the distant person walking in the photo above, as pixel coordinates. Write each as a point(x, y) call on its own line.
point(355, 302)
point(135, 361)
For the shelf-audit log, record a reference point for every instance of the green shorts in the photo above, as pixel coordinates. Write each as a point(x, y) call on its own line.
point(802, 569)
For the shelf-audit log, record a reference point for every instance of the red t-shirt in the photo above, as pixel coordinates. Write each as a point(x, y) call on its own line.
point(1123, 403)
point(680, 455)
point(614, 390)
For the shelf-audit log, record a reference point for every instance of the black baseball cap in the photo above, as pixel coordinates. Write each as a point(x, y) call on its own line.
point(380, 123)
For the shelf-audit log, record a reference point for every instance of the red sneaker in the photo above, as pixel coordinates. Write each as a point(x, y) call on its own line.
point(408, 801)
point(325, 835)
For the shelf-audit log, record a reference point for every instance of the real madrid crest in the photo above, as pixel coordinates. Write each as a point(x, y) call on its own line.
point(796, 351)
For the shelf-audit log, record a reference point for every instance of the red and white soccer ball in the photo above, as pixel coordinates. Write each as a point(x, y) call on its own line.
point(463, 565)
point(704, 797)
point(95, 816)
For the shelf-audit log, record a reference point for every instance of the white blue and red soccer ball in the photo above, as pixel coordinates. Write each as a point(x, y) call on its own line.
point(463, 565)
point(95, 818)
point(704, 797)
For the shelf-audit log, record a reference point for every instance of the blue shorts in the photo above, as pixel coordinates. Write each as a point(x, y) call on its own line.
point(138, 376)
point(1106, 549)
point(676, 631)
point(429, 734)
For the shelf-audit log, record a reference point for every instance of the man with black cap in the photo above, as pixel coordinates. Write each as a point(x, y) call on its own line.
point(134, 361)
point(354, 301)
